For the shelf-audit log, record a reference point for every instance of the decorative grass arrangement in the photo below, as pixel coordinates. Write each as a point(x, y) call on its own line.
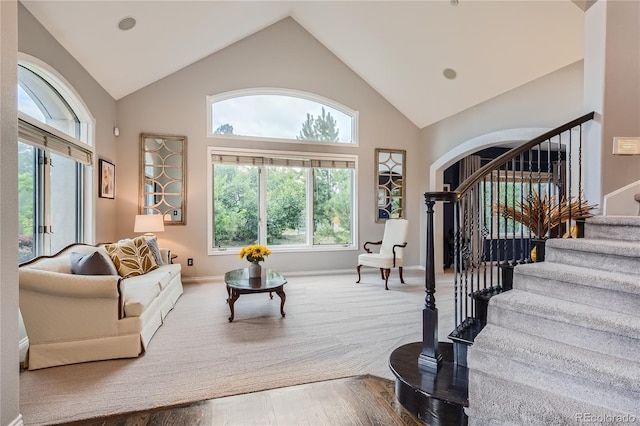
point(541, 215)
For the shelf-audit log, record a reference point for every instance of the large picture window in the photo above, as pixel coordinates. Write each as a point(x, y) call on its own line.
point(280, 115)
point(281, 199)
point(52, 157)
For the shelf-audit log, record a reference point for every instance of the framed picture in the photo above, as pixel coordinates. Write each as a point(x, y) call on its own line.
point(107, 180)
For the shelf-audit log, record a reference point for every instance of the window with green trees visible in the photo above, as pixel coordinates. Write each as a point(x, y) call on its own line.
point(508, 189)
point(280, 114)
point(52, 159)
point(281, 200)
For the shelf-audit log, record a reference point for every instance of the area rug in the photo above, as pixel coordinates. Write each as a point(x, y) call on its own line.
point(333, 328)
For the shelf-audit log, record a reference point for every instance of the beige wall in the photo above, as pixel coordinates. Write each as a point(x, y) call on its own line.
point(35, 40)
point(283, 55)
point(520, 114)
point(621, 108)
point(547, 102)
point(9, 397)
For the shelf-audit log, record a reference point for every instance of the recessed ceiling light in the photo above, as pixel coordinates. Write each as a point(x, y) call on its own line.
point(127, 23)
point(449, 73)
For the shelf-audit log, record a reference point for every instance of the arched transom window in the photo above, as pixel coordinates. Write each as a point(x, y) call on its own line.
point(281, 115)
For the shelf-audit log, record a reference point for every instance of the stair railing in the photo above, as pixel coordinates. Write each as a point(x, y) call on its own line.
point(501, 212)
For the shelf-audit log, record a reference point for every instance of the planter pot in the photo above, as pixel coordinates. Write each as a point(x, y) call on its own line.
point(537, 253)
point(255, 270)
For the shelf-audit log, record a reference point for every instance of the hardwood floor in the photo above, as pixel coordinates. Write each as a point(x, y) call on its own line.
point(360, 400)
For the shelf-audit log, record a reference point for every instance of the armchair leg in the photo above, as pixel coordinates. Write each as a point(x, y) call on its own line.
point(400, 271)
point(358, 268)
point(386, 278)
point(382, 273)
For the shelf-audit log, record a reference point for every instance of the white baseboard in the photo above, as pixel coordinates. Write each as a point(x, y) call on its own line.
point(220, 278)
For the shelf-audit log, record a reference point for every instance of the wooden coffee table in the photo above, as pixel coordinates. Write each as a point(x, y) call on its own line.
point(238, 282)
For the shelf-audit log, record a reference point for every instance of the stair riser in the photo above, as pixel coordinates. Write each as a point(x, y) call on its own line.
point(604, 342)
point(495, 401)
point(624, 303)
point(590, 260)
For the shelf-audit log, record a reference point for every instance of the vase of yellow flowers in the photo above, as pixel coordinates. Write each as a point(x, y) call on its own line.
point(255, 254)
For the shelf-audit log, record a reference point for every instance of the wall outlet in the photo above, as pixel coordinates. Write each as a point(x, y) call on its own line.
point(189, 262)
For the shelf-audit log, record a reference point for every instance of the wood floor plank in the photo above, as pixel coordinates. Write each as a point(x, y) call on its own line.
point(353, 401)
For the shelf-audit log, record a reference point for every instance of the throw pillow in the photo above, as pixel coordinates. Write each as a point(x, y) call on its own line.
point(94, 263)
point(131, 257)
point(155, 250)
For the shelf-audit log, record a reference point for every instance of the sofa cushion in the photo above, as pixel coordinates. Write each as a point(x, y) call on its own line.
point(131, 257)
point(94, 263)
point(155, 250)
point(160, 276)
point(138, 295)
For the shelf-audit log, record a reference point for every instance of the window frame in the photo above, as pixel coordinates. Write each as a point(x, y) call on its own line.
point(54, 85)
point(211, 99)
point(262, 206)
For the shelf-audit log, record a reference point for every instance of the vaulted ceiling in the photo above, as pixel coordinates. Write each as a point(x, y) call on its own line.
point(401, 48)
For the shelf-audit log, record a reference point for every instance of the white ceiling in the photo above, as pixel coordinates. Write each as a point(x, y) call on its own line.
point(399, 47)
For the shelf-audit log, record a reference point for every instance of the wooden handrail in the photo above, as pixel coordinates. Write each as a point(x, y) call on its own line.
point(512, 153)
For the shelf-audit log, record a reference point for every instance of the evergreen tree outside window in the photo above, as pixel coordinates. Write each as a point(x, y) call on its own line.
point(276, 114)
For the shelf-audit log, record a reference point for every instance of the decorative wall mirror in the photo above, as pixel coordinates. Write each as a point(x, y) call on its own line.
point(163, 177)
point(390, 170)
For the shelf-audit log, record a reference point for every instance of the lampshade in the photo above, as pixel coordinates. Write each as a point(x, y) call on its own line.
point(149, 223)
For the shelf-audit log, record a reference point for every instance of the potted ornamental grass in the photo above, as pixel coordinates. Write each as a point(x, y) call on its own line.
point(544, 214)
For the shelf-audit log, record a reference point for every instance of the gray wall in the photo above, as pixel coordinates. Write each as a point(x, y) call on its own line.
point(283, 55)
point(35, 40)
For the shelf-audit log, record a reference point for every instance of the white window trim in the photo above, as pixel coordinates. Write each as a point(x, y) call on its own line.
point(310, 247)
point(211, 99)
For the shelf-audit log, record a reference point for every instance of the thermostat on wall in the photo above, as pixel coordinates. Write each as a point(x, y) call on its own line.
point(626, 146)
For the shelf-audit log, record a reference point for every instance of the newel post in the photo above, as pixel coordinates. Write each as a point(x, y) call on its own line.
point(430, 357)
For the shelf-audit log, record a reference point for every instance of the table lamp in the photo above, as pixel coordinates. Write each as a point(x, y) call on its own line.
point(149, 223)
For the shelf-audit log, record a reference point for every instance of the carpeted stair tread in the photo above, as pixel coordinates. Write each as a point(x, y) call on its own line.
point(613, 221)
point(539, 356)
point(510, 403)
point(606, 255)
point(592, 245)
point(613, 228)
point(610, 281)
point(567, 312)
point(602, 289)
point(584, 327)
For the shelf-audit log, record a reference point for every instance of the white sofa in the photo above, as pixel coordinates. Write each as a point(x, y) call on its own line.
point(73, 318)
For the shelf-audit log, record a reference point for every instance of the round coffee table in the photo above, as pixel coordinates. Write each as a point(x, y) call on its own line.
point(238, 282)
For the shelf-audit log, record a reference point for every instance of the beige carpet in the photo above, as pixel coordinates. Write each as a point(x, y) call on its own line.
point(334, 328)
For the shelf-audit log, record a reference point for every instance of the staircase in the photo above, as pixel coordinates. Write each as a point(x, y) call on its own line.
point(563, 347)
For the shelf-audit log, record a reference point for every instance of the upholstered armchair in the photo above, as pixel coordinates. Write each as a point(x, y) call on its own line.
point(390, 254)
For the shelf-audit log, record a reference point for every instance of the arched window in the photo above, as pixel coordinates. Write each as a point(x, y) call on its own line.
point(54, 135)
point(281, 115)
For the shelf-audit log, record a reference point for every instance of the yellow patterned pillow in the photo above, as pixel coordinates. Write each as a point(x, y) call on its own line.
point(131, 257)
